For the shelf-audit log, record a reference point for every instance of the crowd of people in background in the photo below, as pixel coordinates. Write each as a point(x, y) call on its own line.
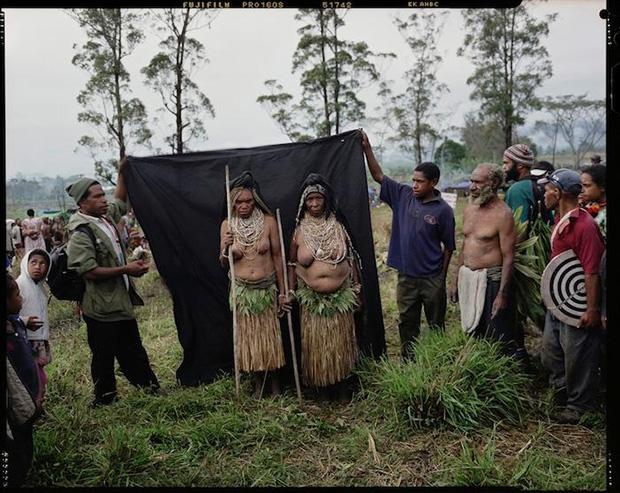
point(45, 233)
point(323, 270)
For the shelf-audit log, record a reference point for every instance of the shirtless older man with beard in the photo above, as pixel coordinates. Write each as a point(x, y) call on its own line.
point(483, 279)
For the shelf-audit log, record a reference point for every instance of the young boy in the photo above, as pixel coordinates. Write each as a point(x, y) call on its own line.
point(34, 268)
point(24, 389)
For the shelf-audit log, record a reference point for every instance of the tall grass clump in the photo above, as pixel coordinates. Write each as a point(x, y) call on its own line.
point(455, 380)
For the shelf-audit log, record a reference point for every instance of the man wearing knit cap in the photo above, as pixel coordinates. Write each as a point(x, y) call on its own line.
point(517, 164)
point(110, 295)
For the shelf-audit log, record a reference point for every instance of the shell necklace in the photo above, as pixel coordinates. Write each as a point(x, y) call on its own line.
point(248, 231)
point(324, 238)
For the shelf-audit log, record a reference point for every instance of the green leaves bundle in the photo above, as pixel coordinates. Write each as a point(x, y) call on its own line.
point(254, 300)
point(326, 305)
point(531, 257)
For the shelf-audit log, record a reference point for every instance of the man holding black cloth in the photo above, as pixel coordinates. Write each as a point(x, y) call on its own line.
point(110, 295)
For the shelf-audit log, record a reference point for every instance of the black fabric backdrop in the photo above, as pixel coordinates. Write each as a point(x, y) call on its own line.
point(178, 201)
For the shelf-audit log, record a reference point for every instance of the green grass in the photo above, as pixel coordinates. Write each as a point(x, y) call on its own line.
point(481, 422)
point(457, 381)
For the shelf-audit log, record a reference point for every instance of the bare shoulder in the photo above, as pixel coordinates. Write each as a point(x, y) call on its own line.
point(504, 215)
point(504, 210)
point(271, 224)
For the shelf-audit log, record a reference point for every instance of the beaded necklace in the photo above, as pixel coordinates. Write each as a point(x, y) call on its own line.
point(248, 231)
point(324, 238)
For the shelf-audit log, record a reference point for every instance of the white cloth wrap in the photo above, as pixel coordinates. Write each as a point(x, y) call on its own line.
point(472, 286)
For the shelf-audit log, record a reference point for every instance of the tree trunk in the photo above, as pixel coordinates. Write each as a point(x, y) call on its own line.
point(337, 74)
point(555, 141)
point(117, 86)
point(179, 83)
point(328, 126)
point(508, 133)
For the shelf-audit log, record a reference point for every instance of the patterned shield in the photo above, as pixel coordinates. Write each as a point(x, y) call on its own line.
point(563, 288)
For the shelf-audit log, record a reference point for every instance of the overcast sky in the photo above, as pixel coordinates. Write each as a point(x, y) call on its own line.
point(245, 48)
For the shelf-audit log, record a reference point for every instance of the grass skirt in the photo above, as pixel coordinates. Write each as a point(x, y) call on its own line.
point(259, 338)
point(328, 343)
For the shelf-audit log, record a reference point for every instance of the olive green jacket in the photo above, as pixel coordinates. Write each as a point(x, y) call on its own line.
point(106, 300)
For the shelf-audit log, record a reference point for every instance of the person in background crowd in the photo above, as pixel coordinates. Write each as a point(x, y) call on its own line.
point(46, 232)
point(132, 222)
point(138, 252)
point(57, 239)
point(484, 278)
point(123, 227)
point(571, 354)
point(421, 246)
point(110, 295)
point(59, 227)
point(10, 248)
point(593, 196)
point(541, 169)
point(17, 239)
point(31, 227)
point(135, 239)
point(34, 268)
point(23, 391)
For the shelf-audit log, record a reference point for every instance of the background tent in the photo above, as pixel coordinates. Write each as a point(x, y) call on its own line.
point(178, 200)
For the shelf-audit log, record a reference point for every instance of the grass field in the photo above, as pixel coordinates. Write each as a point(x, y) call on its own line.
point(459, 416)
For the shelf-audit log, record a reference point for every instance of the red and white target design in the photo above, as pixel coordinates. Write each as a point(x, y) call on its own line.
point(563, 288)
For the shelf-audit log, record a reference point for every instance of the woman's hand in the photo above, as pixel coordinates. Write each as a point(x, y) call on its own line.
point(284, 305)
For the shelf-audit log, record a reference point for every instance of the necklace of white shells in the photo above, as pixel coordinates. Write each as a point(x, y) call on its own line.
point(248, 231)
point(325, 238)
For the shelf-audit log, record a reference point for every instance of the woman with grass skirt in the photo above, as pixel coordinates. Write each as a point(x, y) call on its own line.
point(253, 234)
point(324, 267)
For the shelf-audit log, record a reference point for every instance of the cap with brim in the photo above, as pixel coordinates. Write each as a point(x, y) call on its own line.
point(564, 179)
point(538, 172)
point(78, 189)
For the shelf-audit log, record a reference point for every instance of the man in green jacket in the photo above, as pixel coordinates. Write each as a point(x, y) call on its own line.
point(517, 164)
point(110, 295)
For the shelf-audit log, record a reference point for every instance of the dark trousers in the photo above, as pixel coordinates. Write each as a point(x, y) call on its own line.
point(19, 455)
point(412, 294)
point(120, 340)
point(503, 327)
point(572, 357)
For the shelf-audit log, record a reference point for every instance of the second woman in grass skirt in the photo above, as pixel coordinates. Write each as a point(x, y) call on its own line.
point(325, 269)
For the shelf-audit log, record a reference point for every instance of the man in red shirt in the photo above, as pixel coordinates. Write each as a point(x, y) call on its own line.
point(571, 354)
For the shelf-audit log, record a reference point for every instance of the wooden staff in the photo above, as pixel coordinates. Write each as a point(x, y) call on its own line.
point(288, 314)
point(233, 287)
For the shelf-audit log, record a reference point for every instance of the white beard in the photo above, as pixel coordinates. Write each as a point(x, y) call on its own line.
point(486, 194)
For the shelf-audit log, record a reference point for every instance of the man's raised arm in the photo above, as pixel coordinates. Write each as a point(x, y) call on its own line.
point(121, 190)
point(373, 165)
